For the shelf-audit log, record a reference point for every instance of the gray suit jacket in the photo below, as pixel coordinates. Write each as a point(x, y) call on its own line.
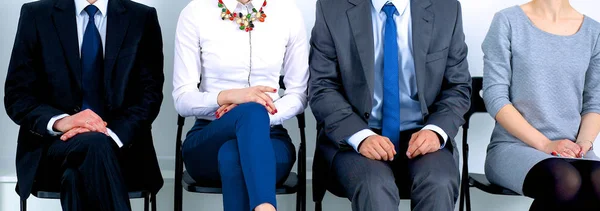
point(342, 62)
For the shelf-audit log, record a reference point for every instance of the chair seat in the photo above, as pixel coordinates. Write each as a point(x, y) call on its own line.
point(290, 185)
point(481, 182)
point(56, 195)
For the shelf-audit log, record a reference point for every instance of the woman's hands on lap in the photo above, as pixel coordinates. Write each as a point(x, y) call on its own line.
point(585, 147)
point(224, 109)
point(228, 99)
point(564, 147)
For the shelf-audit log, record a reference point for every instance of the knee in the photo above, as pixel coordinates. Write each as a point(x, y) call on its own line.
point(568, 185)
point(595, 180)
point(229, 161)
point(442, 181)
point(69, 176)
point(93, 142)
point(567, 190)
point(373, 186)
point(253, 112)
point(553, 179)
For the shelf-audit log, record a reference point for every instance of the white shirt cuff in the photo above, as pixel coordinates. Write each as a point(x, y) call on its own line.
point(274, 120)
point(115, 137)
point(439, 131)
point(212, 99)
point(50, 126)
point(359, 137)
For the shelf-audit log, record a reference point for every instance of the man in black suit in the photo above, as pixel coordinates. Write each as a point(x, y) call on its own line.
point(85, 84)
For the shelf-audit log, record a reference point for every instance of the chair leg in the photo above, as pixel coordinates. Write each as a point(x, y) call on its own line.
point(23, 205)
point(464, 184)
point(178, 203)
point(146, 202)
point(153, 202)
point(318, 206)
point(301, 200)
point(298, 206)
point(468, 196)
point(462, 197)
point(464, 188)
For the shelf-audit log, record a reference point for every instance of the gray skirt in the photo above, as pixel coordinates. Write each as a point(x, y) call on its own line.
point(508, 162)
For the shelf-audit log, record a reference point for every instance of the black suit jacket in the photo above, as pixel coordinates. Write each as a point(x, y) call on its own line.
point(342, 63)
point(44, 80)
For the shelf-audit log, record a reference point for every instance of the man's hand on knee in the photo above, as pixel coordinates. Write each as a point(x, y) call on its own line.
point(423, 142)
point(84, 119)
point(73, 132)
point(377, 147)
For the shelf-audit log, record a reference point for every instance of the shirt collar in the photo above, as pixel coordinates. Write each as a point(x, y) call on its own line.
point(400, 5)
point(101, 4)
point(232, 5)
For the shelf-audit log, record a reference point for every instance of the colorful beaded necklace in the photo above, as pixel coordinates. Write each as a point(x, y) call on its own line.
point(245, 22)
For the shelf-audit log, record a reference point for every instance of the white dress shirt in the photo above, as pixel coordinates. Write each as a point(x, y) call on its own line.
point(410, 107)
point(82, 21)
point(221, 56)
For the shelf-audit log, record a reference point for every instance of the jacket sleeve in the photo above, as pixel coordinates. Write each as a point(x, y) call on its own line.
point(24, 97)
point(327, 101)
point(140, 114)
point(454, 100)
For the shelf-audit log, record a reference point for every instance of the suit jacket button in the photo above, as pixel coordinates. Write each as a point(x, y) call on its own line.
point(367, 115)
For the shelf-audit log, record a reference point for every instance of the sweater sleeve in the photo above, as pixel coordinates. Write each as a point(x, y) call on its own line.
point(591, 91)
point(497, 70)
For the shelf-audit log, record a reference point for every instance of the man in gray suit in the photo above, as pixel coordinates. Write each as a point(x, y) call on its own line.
point(389, 87)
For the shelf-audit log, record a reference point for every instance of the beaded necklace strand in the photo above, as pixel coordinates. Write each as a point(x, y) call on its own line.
point(245, 22)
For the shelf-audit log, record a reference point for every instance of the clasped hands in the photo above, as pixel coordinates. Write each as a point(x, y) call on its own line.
point(378, 147)
point(567, 148)
point(82, 122)
point(229, 99)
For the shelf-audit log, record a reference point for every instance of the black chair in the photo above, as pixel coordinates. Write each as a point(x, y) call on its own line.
point(469, 180)
point(148, 198)
point(295, 183)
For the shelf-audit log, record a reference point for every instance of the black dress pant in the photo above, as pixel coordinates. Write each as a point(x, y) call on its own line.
point(91, 174)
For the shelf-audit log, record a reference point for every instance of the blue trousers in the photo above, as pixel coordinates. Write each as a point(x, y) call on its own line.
point(243, 152)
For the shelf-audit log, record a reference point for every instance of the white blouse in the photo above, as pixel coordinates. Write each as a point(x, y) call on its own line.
point(222, 56)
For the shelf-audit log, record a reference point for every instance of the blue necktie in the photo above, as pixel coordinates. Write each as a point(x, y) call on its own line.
point(391, 92)
point(92, 65)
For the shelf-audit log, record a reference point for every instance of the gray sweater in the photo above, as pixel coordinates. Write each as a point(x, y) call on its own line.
point(551, 80)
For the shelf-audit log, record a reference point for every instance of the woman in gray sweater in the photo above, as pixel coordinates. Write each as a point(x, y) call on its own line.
point(542, 85)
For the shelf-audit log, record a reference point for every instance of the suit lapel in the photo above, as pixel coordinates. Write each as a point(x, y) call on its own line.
point(66, 27)
point(422, 27)
point(116, 29)
point(362, 30)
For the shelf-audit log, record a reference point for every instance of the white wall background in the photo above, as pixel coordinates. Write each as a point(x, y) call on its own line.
point(477, 15)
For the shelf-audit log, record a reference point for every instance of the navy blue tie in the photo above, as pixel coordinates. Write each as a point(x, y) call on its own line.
point(391, 92)
point(92, 65)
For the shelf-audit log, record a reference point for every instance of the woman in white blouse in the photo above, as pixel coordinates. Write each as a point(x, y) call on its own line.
point(228, 58)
